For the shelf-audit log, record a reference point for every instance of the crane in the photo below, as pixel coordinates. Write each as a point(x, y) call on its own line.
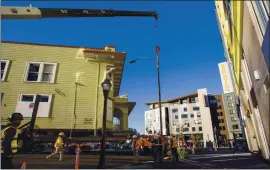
point(15, 12)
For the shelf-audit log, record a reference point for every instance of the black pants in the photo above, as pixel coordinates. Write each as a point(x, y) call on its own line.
point(157, 156)
point(6, 163)
point(174, 154)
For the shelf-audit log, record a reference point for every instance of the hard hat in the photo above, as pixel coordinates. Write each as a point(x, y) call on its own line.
point(15, 116)
point(61, 134)
point(134, 136)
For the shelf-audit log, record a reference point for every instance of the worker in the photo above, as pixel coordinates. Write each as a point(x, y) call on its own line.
point(9, 138)
point(174, 149)
point(157, 149)
point(59, 146)
point(135, 148)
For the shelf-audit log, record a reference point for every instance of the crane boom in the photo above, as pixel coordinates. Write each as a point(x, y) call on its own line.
point(12, 12)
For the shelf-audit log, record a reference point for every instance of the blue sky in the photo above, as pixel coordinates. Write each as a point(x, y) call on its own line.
point(187, 34)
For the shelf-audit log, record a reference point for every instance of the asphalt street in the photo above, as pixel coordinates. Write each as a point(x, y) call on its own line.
point(202, 161)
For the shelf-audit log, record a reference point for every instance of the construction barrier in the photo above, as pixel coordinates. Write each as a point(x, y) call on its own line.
point(23, 165)
point(77, 161)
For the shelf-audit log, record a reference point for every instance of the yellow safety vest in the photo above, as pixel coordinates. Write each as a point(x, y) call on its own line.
point(59, 143)
point(14, 143)
point(174, 143)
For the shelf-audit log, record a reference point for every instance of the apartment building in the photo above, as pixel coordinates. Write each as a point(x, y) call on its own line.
point(219, 120)
point(187, 115)
point(246, 45)
point(69, 82)
point(233, 123)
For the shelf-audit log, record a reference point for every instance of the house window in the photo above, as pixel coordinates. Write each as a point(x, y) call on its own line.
point(192, 100)
point(25, 105)
point(184, 116)
point(233, 119)
point(196, 108)
point(193, 129)
point(229, 97)
point(232, 111)
point(40, 72)
point(235, 126)
point(184, 101)
point(185, 109)
point(200, 128)
point(175, 116)
point(2, 95)
point(191, 115)
point(174, 110)
point(222, 128)
point(4, 68)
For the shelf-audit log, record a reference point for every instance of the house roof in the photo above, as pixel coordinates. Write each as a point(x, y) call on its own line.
point(119, 66)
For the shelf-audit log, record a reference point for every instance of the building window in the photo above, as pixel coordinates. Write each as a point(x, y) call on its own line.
point(222, 128)
point(184, 116)
point(175, 116)
point(174, 110)
point(198, 114)
point(40, 72)
point(185, 109)
point(26, 102)
point(220, 113)
point(213, 101)
point(186, 130)
point(197, 122)
point(229, 97)
point(221, 120)
point(233, 119)
point(231, 104)
point(191, 115)
point(232, 111)
point(177, 129)
point(219, 107)
point(235, 126)
point(193, 129)
point(184, 101)
point(200, 128)
point(196, 108)
point(192, 100)
point(4, 69)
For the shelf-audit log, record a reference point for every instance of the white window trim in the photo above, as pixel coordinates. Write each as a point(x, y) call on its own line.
point(40, 72)
point(35, 95)
point(6, 69)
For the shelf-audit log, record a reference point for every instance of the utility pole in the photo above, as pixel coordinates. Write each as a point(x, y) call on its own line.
point(159, 92)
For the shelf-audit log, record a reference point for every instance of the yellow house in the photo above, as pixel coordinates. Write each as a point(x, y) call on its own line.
point(68, 78)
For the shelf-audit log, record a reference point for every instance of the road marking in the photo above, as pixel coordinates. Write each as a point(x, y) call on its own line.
point(222, 160)
point(196, 163)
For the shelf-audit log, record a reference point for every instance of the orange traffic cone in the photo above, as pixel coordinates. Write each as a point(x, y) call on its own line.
point(23, 165)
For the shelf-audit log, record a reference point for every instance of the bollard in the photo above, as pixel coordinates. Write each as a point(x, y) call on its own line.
point(23, 165)
point(77, 161)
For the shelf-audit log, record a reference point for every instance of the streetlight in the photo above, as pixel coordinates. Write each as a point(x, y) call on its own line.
point(159, 92)
point(106, 86)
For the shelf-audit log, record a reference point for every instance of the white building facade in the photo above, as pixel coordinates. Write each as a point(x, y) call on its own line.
point(179, 112)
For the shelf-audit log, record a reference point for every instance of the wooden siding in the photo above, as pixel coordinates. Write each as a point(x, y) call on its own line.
point(62, 110)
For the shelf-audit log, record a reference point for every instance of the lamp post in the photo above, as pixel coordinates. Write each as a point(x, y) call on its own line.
point(106, 86)
point(159, 91)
